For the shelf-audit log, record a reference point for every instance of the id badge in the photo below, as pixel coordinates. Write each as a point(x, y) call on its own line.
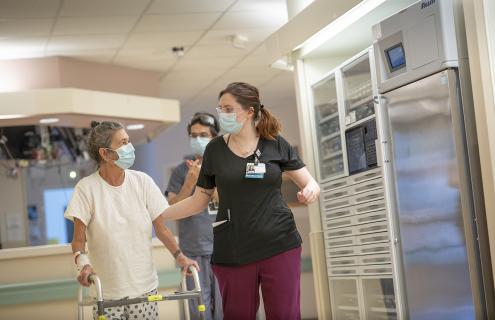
point(212, 208)
point(255, 170)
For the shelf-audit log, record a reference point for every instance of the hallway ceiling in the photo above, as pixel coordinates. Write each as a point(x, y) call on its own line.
point(141, 33)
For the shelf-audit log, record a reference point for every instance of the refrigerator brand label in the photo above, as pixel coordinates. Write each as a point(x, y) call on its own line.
point(426, 4)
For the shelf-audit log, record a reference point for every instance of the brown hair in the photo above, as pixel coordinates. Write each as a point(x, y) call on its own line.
point(247, 96)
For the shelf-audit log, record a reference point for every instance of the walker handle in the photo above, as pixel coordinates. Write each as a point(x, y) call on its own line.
point(94, 280)
point(195, 275)
point(197, 288)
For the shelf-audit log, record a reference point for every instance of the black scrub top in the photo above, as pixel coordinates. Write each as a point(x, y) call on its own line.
point(261, 224)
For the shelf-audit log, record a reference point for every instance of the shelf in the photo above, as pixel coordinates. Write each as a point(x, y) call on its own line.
point(383, 310)
point(348, 308)
point(357, 123)
point(332, 116)
point(332, 155)
point(330, 137)
point(361, 102)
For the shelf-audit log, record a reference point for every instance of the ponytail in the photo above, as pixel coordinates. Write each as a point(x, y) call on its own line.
point(268, 126)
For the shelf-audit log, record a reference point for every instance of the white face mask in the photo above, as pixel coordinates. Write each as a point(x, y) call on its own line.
point(198, 145)
point(126, 156)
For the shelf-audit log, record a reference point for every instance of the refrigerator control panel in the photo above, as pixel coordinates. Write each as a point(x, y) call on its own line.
point(416, 42)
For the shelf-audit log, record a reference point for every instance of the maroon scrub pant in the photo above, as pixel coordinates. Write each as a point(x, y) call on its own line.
point(279, 277)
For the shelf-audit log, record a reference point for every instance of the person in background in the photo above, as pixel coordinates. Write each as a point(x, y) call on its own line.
point(196, 232)
point(114, 210)
point(256, 242)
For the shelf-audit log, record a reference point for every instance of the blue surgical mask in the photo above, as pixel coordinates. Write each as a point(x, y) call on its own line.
point(198, 145)
point(228, 122)
point(126, 156)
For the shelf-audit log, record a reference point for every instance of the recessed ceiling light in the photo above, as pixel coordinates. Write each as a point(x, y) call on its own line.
point(49, 120)
point(137, 126)
point(11, 116)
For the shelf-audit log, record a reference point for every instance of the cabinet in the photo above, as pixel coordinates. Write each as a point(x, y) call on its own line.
point(354, 212)
point(358, 90)
point(328, 129)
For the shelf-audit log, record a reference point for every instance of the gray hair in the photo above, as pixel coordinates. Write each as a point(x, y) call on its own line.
point(101, 137)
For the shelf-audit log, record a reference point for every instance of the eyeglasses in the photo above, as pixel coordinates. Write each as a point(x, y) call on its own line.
point(227, 109)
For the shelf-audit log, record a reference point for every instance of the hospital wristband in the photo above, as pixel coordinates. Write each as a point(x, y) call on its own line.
point(82, 261)
point(76, 254)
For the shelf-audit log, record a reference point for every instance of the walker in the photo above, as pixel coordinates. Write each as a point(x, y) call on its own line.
point(102, 304)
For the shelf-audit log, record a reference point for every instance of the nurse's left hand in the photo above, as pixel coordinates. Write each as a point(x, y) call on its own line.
point(309, 194)
point(184, 262)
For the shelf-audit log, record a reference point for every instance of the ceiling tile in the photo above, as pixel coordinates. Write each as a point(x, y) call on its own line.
point(162, 40)
point(188, 6)
point(176, 22)
point(22, 48)
point(151, 54)
point(29, 8)
point(255, 61)
point(25, 27)
point(188, 63)
point(88, 42)
point(218, 51)
point(251, 19)
point(94, 25)
point(225, 36)
point(279, 6)
point(93, 8)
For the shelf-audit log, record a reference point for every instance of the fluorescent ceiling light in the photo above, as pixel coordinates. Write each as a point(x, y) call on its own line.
point(11, 116)
point(338, 25)
point(49, 120)
point(137, 126)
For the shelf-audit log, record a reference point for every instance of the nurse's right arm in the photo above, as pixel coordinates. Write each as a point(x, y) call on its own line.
point(190, 206)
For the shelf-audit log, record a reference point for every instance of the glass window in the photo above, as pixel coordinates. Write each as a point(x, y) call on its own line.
point(58, 229)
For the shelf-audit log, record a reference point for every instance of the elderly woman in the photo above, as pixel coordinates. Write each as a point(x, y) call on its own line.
point(114, 210)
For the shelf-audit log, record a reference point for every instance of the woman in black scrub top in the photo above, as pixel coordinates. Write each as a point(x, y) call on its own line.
point(256, 242)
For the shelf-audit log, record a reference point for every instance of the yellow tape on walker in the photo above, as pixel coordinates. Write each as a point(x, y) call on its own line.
point(201, 308)
point(155, 297)
point(102, 318)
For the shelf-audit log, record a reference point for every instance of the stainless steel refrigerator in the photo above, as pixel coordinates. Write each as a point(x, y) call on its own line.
point(436, 203)
point(432, 165)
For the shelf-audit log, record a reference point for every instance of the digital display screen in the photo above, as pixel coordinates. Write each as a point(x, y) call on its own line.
point(356, 153)
point(396, 57)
